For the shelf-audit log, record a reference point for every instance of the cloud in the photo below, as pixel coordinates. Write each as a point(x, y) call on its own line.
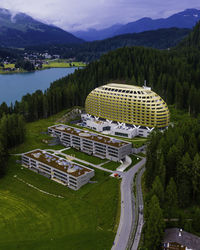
point(79, 14)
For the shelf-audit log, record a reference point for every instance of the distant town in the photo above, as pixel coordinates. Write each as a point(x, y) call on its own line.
point(36, 61)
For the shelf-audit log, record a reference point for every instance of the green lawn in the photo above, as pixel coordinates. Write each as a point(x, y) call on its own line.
point(10, 72)
point(111, 165)
point(83, 156)
point(62, 64)
point(11, 65)
point(84, 219)
point(29, 219)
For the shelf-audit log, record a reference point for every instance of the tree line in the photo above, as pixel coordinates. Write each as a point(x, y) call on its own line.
point(12, 133)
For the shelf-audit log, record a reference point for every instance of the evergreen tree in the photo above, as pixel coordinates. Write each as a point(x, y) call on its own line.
point(196, 175)
point(171, 199)
point(162, 171)
point(155, 225)
point(157, 189)
point(196, 219)
point(184, 180)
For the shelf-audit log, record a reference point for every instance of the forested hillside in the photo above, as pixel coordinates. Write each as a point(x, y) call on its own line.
point(90, 51)
point(172, 177)
point(193, 40)
point(172, 74)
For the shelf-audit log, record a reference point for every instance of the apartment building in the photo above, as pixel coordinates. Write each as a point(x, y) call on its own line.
point(58, 169)
point(91, 143)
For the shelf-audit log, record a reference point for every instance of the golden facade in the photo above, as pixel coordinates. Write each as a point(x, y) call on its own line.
point(129, 104)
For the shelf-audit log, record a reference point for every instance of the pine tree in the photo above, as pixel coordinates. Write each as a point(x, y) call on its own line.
point(155, 225)
point(196, 219)
point(157, 189)
point(184, 180)
point(196, 174)
point(171, 198)
point(162, 171)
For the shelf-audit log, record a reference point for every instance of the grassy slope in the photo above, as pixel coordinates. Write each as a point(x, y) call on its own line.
point(62, 64)
point(32, 220)
point(29, 219)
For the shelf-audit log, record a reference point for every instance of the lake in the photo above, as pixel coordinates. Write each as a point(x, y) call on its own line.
point(14, 86)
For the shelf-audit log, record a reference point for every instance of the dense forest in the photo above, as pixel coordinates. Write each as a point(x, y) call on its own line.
point(172, 178)
point(90, 51)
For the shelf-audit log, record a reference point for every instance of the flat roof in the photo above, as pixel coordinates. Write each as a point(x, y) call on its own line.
point(90, 135)
point(57, 162)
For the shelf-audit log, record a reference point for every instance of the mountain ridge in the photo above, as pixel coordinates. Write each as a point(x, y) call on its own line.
point(184, 19)
point(20, 30)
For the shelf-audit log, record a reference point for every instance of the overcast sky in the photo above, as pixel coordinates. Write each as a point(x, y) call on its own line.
point(83, 14)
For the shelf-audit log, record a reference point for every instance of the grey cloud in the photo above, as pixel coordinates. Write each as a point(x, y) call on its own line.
point(79, 14)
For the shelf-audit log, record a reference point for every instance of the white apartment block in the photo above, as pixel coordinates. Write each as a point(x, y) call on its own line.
point(58, 169)
point(91, 143)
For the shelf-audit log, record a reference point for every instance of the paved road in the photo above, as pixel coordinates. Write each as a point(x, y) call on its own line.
point(140, 223)
point(127, 208)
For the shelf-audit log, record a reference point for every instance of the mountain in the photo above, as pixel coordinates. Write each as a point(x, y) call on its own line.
point(93, 34)
point(90, 51)
point(21, 30)
point(184, 19)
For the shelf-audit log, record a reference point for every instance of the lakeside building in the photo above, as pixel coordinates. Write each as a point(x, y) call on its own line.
point(91, 143)
point(125, 110)
point(58, 169)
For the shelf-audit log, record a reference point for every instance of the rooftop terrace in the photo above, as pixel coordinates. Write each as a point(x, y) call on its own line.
point(90, 136)
point(58, 163)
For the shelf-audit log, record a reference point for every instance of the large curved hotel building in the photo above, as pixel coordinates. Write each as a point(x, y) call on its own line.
point(127, 106)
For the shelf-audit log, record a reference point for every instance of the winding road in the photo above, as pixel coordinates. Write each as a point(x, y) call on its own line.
point(127, 218)
point(140, 221)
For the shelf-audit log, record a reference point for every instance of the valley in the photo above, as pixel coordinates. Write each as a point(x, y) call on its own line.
point(100, 139)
